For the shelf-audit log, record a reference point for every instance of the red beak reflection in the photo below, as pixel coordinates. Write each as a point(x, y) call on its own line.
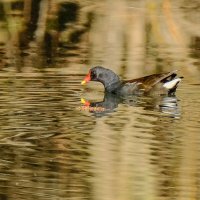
point(86, 79)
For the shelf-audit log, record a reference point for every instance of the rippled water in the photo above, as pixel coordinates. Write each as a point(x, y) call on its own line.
point(52, 146)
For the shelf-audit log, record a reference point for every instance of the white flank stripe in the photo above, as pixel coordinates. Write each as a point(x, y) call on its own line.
point(172, 83)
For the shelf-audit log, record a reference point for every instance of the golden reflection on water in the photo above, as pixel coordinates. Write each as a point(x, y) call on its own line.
point(137, 148)
point(137, 151)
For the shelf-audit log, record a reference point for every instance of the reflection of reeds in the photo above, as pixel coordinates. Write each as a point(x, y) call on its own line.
point(121, 36)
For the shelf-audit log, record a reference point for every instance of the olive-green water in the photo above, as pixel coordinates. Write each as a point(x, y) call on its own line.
point(136, 148)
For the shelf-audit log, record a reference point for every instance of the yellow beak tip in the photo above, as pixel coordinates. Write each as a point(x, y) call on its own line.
point(83, 100)
point(83, 82)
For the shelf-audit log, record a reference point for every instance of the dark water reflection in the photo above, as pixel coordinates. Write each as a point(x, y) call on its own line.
point(54, 147)
point(165, 104)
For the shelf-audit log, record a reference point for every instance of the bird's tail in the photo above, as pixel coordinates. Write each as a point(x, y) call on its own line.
point(172, 83)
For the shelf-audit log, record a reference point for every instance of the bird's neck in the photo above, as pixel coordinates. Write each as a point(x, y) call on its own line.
point(112, 86)
point(110, 80)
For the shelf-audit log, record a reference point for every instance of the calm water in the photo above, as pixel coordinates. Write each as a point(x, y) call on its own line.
point(54, 147)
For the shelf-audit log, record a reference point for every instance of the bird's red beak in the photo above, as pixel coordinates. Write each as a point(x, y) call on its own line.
point(86, 79)
point(86, 103)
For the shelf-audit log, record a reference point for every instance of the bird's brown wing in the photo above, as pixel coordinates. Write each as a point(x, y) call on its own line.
point(148, 82)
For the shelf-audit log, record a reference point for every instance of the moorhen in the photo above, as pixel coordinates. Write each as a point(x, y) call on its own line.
point(165, 83)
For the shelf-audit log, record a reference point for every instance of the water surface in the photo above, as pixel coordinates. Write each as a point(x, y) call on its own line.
point(54, 147)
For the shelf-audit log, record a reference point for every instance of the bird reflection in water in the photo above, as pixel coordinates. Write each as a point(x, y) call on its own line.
point(165, 104)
